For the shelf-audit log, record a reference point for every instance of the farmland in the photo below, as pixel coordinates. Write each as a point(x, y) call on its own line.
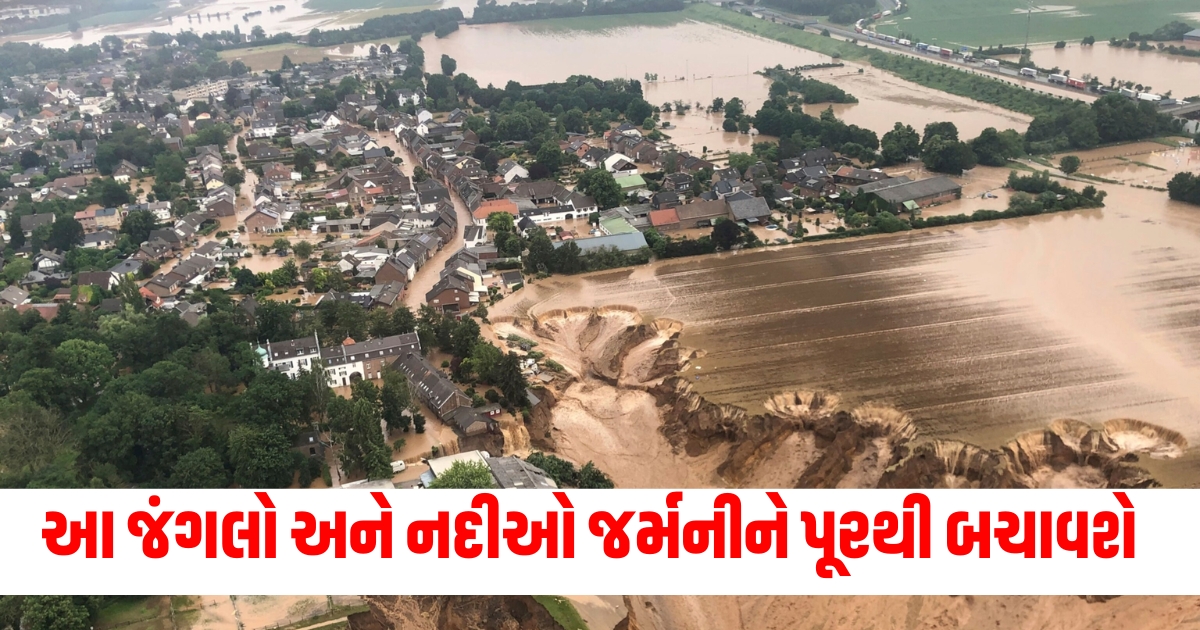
point(990, 22)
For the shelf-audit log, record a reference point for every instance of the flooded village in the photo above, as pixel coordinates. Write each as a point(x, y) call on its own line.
point(644, 250)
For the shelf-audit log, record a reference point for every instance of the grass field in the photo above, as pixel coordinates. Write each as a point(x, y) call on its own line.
point(271, 57)
point(786, 34)
point(563, 612)
point(990, 22)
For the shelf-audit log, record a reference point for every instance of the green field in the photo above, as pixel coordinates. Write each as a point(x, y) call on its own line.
point(991, 22)
point(803, 39)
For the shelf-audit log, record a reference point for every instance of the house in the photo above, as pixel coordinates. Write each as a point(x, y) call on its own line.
point(31, 222)
point(13, 296)
point(665, 220)
point(48, 261)
point(108, 218)
point(508, 169)
point(748, 209)
point(474, 235)
point(350, 361)
point(263, 220)
point(452, 294)
point(491, 206)
point(680, 183)
point(512, 279)
point(850, 176)
point(103, 279)
point(514, 472)
point(124, 171)
point(818, 157)
point(126, 267)
point(431, 386)
point(99, 240)
point(664, 199)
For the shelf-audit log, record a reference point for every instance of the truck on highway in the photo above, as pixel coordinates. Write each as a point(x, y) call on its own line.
point(991, 63)
point(923, 47)
point(933, 50)
point(1129, 92)
point(904, 42)
point(1060, 79)
point(1076, 83)
point(1029, 72)
point(945, 52)
point(1146, 96)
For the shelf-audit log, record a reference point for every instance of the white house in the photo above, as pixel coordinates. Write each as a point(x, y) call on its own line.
point(264, 128)
point(509, 169)
point(424, 116)
point(613, 162)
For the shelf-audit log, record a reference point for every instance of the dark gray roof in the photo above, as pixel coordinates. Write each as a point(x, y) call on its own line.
point(746, 209)
point(626, 242)
point(919, 189)
point(881, 184)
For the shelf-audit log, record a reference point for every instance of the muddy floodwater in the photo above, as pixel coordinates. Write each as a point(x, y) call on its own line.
point(695, 62)
point(1162, 72)
point(979, 331)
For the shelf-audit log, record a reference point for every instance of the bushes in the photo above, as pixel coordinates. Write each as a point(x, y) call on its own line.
point(566, 476)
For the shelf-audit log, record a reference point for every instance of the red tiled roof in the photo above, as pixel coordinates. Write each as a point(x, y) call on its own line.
point(486, 208)
point(663, 217)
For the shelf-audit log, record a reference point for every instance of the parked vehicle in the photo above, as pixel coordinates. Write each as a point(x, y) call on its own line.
point(1146, 96)
point(398, 466)
point(933, 50)
point(922, 47)
point(904, 42)
point(945, 52)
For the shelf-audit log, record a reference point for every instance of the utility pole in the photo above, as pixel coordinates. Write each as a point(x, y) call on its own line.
point(1028, 21)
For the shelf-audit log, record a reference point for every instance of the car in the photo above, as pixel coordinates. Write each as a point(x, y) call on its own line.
point(398, 466)
point(772, 226)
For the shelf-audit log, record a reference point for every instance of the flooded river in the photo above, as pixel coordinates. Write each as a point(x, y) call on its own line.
point(979, 331)
point(694, 63)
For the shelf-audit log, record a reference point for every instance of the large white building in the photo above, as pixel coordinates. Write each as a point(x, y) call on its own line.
point(344, 364)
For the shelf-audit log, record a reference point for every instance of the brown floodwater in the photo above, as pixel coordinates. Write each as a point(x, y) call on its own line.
point(1162, 72)
point(978, 331)
point(696, 62)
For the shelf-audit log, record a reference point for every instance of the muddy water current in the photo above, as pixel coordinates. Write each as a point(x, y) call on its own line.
point(979, 332)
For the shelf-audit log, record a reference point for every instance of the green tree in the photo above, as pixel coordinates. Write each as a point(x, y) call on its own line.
point(600, 185)
point(170, 168)
point(509, 380)
point(741, 161)
point(201, 468)
point(53, 612)
point(354, 424)
point(395, 398)
point(34, 437)
point(465, 475)
point(449, 65)
point(261, 457)
point(541, 253)
point(65, 234)
point(549, 156)
point(138, 224)
point(947, 131)
point(1069, 164)
point(86, 367)
point(947, 156)
point(726, 233)
point(638, 110)
point(592, 477)
point(899, 144)
point(111, 193)
point(302, 249)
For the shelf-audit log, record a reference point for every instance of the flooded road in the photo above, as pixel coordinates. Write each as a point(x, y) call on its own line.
point(696, 62)
point(978, 331)
point(1161, 71)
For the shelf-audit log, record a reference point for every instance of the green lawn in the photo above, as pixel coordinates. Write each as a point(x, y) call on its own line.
point(786, 34)
point(990, 22)
point(563, 612)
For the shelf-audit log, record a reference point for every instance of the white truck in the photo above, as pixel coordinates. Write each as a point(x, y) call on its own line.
point(991, 63)
point(1061, 79)
point(1146, 96)
point(1029, 72)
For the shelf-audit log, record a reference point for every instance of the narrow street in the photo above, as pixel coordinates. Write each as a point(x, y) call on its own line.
point(428, 275)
